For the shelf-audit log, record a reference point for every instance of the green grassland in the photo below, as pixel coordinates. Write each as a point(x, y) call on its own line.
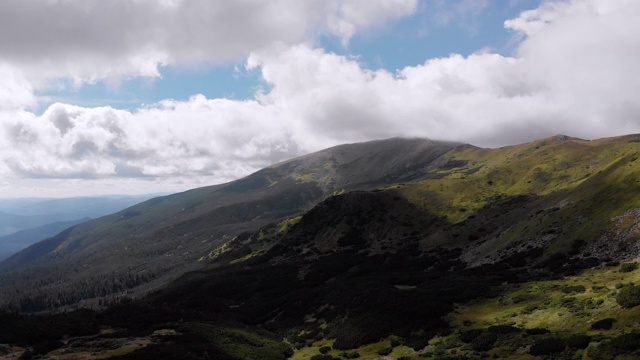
point(565, 307)
point(578, 188)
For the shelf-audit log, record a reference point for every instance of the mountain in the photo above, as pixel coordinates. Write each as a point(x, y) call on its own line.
point(89, 206)
point(12, 223)
point(403, 248)
point(153, 242)
point(10, 244)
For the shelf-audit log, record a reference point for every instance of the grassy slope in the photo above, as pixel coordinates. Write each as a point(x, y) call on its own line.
point(544, 304)
point(584, 183)
point(579, 189)
point(534, 305)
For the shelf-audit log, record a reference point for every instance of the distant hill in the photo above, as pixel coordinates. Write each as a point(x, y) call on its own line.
point(18, 214)
point(12, 223)
point(11, 244)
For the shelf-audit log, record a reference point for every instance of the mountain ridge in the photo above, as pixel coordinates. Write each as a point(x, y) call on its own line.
point(162, 237)
point(152, 243)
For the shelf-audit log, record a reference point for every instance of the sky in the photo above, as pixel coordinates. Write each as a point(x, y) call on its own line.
point(148, 96)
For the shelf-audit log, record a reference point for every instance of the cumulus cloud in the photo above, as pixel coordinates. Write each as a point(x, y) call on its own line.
point(574, 72)
point(91, 40)
point(198, 137)
point(15, 91)
point(350, 15)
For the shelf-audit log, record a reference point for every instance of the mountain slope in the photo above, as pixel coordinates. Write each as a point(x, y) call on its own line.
point(163, 237)
point(383, 267)
point(390, 263)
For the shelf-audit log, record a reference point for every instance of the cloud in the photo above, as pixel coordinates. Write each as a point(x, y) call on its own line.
point(15, 91)
point(351, 15)
point(574, 72)
point(465, 12)
point(92, 40)
point(199, 137)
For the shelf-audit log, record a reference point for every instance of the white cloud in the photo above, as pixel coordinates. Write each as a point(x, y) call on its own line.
point(15, 91)
point(351, 15)
point(575, 72)
point(464, 12)
point(199, 137)
point(92, 40)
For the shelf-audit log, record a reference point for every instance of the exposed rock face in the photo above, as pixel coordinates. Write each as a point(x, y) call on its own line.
point(621, 241)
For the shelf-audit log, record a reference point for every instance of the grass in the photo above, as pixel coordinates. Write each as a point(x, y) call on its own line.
point(285, 224)
point(581, 187)
point(547, 304)
point(367, 352)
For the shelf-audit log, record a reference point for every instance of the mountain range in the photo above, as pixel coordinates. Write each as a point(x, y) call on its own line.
point(362, 248)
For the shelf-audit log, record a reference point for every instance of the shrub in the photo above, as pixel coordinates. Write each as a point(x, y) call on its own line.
point(503, 329)
point(484, 342)
point(469, 335)
point(579, 341)
point(573, 289)
point(324, 349)
point(626, 342)
point(324, 357)
point(537, 331)
point(547, 346)
point(385, 351)
point(417, 341)
point(629, 296)
point(530, 308)
point(350, 355)
point(603, 324)
point(628, 267)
